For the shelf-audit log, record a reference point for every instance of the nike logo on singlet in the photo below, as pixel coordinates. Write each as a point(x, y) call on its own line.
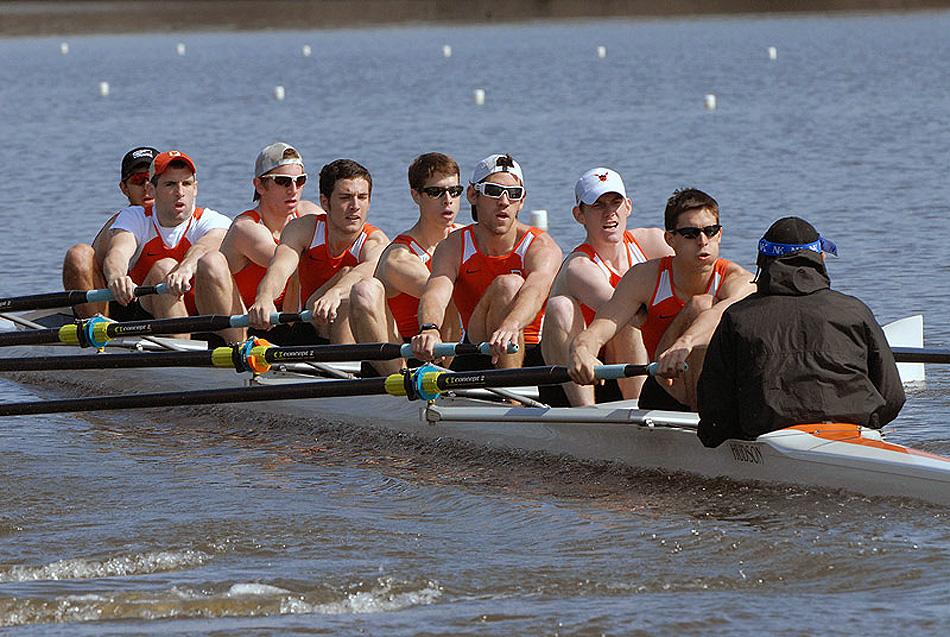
point(468, 271)
point(667, 317)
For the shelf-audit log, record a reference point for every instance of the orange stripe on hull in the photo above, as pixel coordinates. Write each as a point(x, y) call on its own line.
point(847, 432)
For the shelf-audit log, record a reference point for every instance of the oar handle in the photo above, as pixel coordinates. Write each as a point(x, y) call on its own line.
point(105, 294)
point(455, 349)
point(276, 318)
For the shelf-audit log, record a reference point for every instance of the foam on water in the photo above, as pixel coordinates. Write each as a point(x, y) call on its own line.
point(241, 599)
point(83, 568)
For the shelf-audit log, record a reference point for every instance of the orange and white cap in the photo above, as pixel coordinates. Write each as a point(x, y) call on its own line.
point(162, 160)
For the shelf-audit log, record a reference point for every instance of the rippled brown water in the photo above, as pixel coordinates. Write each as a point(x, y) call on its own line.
point(212, 522)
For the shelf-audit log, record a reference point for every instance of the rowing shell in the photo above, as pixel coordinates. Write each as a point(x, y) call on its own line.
point(837, 456)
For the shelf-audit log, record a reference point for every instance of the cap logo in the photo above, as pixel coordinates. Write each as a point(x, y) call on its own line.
point(601, 177)
point(174, 153)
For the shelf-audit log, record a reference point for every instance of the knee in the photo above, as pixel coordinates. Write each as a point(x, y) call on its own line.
point(505, 287)
point(561, 313)
point(79, 256)
point(367, 295)
point(159, 271)
point(213, 266)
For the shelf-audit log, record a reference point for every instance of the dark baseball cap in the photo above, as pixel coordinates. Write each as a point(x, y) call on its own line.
point(136, 159)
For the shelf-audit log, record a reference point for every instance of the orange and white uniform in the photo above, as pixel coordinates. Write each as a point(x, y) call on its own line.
point(665, 305)
point(634, 255)
point(405, 307)
point(155, 242)
point(249, 277)
point(317, 265)
point(477, 271)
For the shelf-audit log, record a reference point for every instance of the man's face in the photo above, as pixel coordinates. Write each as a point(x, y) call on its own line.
point(134, 188)
point(175, 194)
point(497, 215)
point(280, 189)
point(701, 249)
point(442, 208)
point(606, 218)
point(347, 205)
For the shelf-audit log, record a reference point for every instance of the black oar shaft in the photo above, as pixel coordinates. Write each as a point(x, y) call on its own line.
point(30, 337)
point(921, 355)
point(318, 389)
point(520, 376)
point(66, 298)
point(201, 358)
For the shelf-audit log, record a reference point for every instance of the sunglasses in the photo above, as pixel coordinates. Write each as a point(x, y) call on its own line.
point(138, 179)
point(438, 191)
point(285, 180)
point(495, 191)
point(692, 232)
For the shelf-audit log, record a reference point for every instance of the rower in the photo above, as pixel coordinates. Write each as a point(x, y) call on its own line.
point(226, 280)
point(385, 307)
point(800, 352)
point(329, 252)
point(497, 270)
point(676, 301)
point(162, 243)
point(82, 267)
point(587, 279)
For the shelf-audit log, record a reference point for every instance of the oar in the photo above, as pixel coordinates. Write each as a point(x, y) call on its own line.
point(921, 355)
point(98, 331)
point(69, 298)
point(242, 357)
point(422, 383)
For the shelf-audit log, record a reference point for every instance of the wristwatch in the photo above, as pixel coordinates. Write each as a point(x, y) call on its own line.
point(428, 326)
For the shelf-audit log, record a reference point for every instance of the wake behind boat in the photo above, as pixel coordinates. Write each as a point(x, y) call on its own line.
point(828, 455)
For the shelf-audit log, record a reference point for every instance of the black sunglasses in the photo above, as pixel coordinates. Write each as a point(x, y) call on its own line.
point(438, 191)
point(693, 232)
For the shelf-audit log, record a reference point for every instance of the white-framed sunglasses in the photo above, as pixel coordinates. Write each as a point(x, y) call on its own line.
point(285, 180)
point(495, 191)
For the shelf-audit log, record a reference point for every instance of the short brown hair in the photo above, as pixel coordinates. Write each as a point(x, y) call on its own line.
point(342, 169)
point(684, 200)
point(424, 166)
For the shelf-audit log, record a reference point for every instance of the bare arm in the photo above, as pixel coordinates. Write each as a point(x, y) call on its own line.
point(293, 241)
point(540, 265)
point(736, 285)
point(115, 265)
point(326, 304)
point(437, 295)
point(652, 243)
point(401, 271)
point(632, 294)
point(179, 278)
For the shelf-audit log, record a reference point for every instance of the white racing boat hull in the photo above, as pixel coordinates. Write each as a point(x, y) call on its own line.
point(827, 455)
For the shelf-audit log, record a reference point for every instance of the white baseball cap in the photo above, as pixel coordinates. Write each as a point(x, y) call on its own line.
point(596, 182)
point(496, 164)
point(274, 156)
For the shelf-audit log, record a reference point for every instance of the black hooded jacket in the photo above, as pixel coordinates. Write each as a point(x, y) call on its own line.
point(796, 352)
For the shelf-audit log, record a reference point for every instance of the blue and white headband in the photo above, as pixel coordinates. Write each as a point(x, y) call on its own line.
point(770, 249)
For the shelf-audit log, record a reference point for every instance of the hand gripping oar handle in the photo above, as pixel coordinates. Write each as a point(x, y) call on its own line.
point(395, 384)
point(70, 298)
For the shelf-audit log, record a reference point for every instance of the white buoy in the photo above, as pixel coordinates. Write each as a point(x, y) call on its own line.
point(539, 219)
point(181, 48)
point(279, 93)
point(64, 48)
point(479, 96)
point(710, 102)
point(773, 53)
point(305, 50)
point(601, 51)
point(103, 88)
point(446, 51)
